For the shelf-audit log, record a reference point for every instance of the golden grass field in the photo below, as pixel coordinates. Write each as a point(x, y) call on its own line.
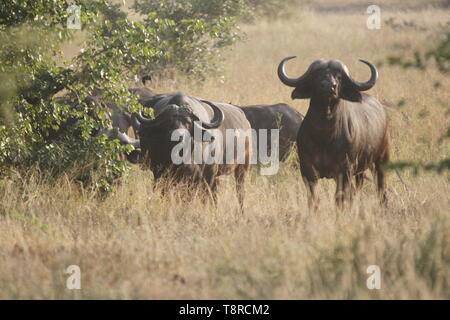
point(137, 244)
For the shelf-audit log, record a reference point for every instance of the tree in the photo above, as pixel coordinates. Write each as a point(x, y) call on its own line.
point(31, 33)
point(191, 33)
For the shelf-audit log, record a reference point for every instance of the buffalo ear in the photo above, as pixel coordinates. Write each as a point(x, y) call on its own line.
point(302, 91)
point(349, 92)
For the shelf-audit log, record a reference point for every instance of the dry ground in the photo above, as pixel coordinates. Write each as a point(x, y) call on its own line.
point(137, 244)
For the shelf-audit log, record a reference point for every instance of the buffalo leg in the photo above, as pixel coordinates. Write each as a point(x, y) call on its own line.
point(213, 189)
point(344, 190)
point(313, 202)
point(239, 175)
point(359, 179)
point(381, 183)
point(210, 182)
point(310, 181)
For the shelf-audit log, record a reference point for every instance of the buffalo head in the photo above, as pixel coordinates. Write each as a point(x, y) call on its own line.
point(328, 79)
point(170, 115)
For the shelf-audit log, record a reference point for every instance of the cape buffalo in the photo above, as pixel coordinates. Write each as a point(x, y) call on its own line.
point(275, 116)
point(124, 125)
point(120, 121)
point(120, 127)
point(124, 122)
point(344, 131)
point(180, 111)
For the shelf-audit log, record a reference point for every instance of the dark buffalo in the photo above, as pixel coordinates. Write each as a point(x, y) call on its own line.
point(275, 116)
point(179, 111)
point(344, 131)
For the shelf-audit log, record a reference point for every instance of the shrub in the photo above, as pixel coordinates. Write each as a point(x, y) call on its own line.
point(33, 129)
point(191, 33)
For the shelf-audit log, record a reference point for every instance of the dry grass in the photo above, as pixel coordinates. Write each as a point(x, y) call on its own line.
point(137, 244)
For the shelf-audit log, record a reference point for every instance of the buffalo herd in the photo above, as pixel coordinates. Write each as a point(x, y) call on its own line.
point(344, 133)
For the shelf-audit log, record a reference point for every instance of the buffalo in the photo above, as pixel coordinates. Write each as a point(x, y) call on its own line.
point(275, 116)
point(124, 125)
point(176, 111)
point(344, 131)
point(121, 126)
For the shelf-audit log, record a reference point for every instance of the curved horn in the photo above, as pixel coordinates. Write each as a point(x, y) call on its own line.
point(159, 117)
point(218, 116)
point(295, 82)
point(363, 86)
point(143, 120)
point(125, 139)
point(122, 137)
point(291, 82)
point(134, 121)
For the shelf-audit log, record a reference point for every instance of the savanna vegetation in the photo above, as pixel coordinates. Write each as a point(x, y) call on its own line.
point(69, 200)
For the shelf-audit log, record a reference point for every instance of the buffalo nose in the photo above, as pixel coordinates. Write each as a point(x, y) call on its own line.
point(333, 86)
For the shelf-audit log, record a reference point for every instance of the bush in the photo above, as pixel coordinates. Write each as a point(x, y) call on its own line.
point(33, 131)
point(191, 33)
point(273, 9)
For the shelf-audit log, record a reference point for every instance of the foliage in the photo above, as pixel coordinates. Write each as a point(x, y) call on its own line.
point(56, 135)
point(440, 54)
point(272, 9)
point(33, 122)
point(191, 33)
